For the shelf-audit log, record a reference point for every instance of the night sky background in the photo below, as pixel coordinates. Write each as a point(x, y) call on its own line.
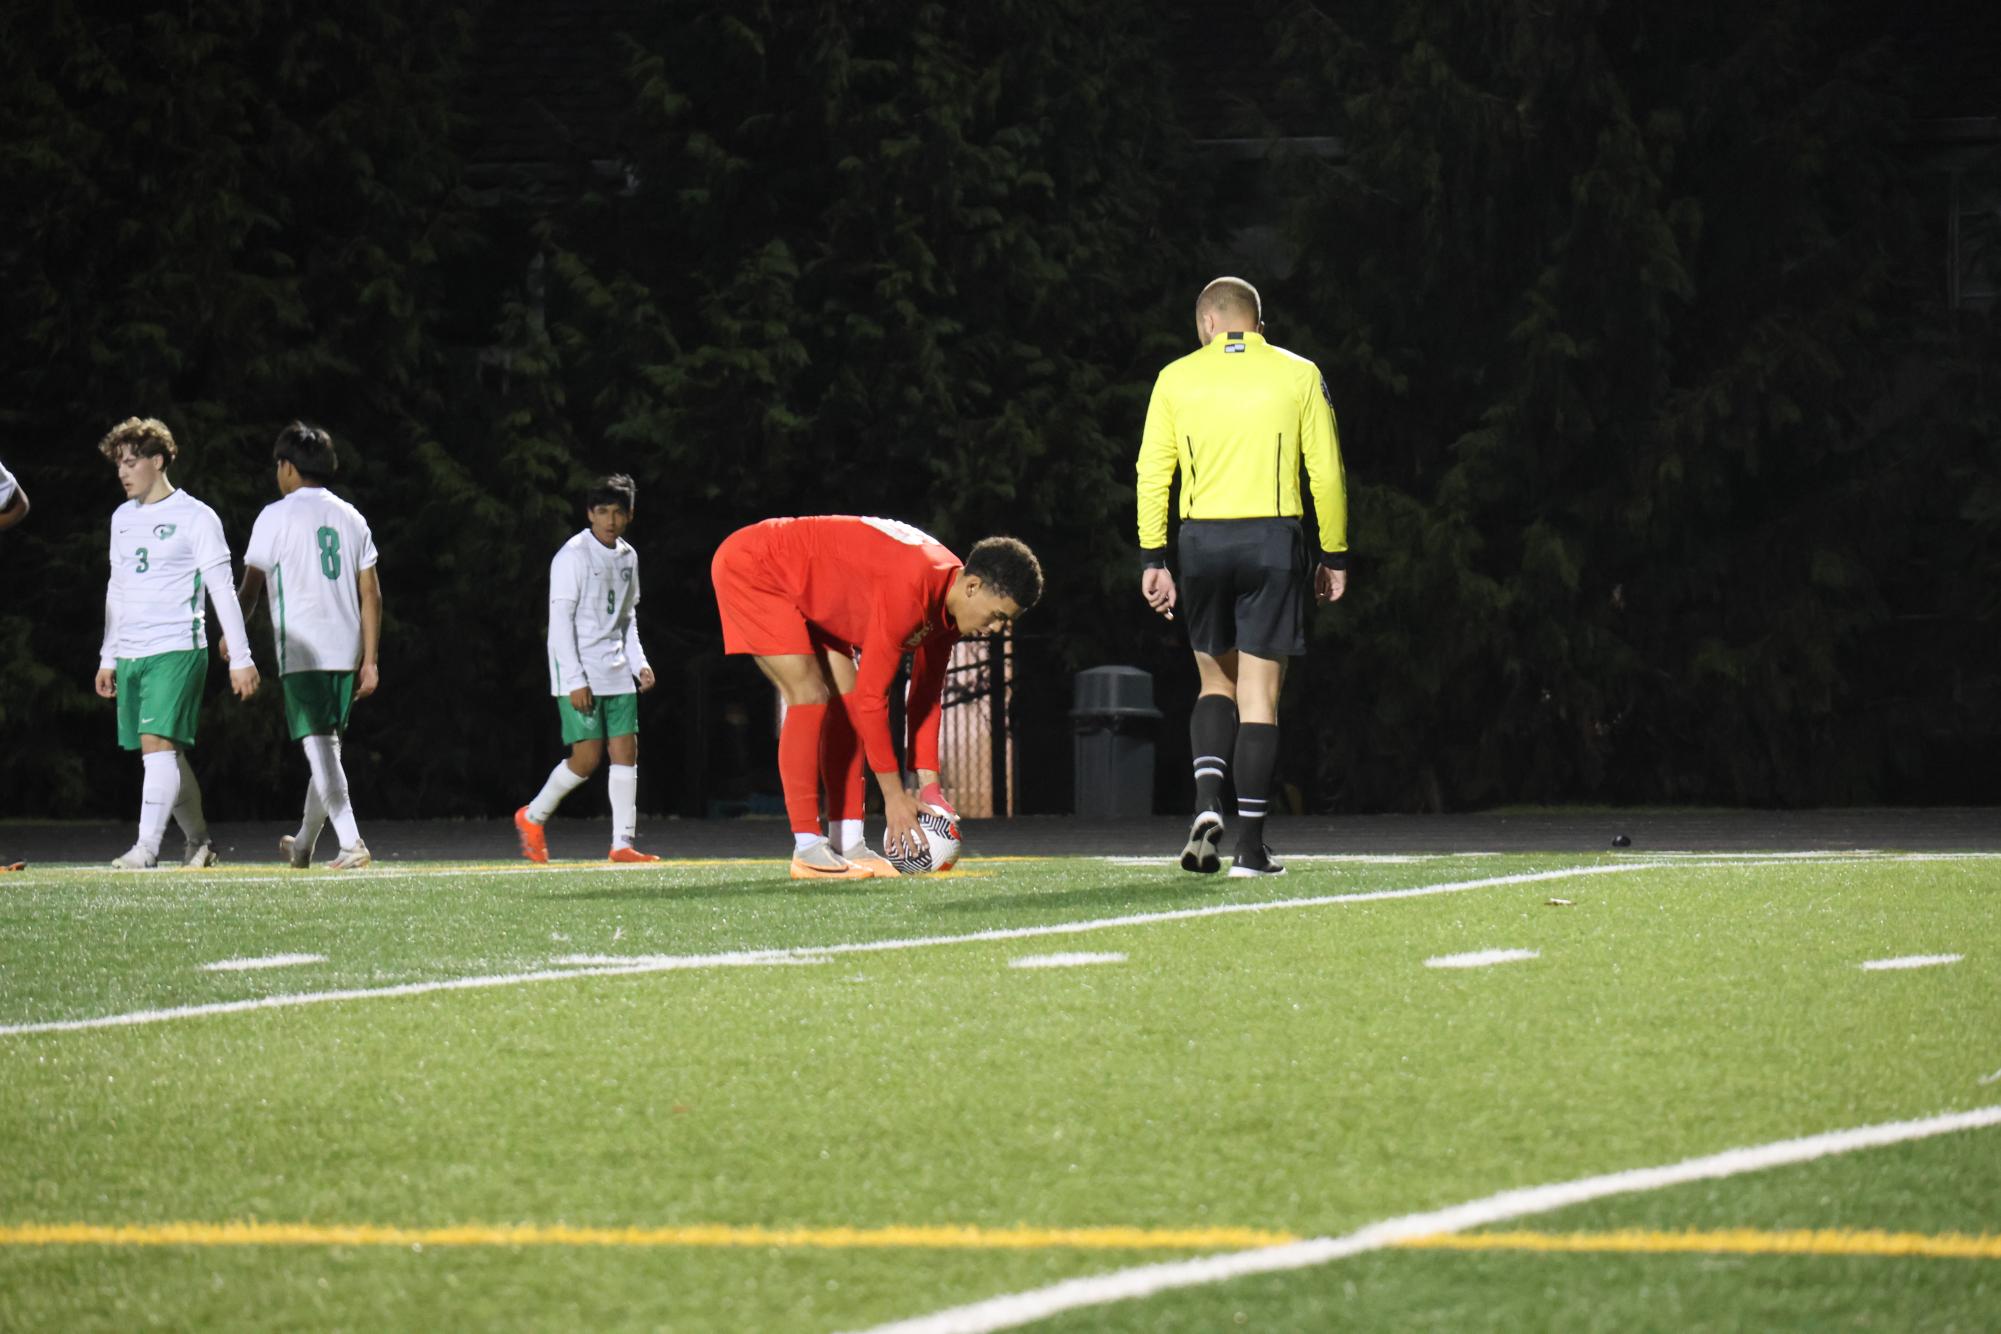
point(1662, 341)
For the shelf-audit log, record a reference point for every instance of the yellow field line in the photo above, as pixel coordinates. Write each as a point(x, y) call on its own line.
point(1733, 1241)
point(696, 1235)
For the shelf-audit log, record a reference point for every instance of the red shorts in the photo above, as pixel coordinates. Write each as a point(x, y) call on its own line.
point(759, 616)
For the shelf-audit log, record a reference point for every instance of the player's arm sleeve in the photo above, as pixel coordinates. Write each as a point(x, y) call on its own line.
point(218, 576)
point(220, 581)
point(1158, 458)
point(635, 655)
point(1320, 446)
point(257, 554)
point(868, 702)
point(564, 594)
point(107, 651)
point(927, 684)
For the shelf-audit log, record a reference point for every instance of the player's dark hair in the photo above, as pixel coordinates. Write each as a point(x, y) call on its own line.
point(617, 489)
point(309, 449)
point(1008, 567)
point(146, 437)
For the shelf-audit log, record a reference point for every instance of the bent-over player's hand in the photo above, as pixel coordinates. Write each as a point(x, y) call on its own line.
point(1157, 586)
point(646, 679)
point(366, 680)
point(581, 701)
point(932, 793)
point(900, 835)
point(107, 682)
point(1329, 585)
point(243, 680)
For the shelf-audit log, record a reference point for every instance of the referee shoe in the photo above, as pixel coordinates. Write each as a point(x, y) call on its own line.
point(1200, 855)
point(1255, 861)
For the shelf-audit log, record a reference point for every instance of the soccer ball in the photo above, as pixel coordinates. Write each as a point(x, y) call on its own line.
point(941, 844)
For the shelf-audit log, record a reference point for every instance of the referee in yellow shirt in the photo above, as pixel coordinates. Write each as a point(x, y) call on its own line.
point(1236, 419)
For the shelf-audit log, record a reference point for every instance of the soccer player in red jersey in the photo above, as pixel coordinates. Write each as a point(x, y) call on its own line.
point(804, 597)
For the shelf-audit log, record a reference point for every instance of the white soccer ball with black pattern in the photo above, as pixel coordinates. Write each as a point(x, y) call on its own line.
point(940, 848)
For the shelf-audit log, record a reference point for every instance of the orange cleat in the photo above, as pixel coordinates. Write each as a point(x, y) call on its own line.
point(875, 864)
point(819, 861)
point(631, 855)
point(534, 842)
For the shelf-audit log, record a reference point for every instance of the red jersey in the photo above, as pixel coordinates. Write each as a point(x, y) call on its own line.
point(873, 585)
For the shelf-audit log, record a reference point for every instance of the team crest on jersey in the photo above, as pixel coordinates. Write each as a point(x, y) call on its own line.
point(917, 636)
point(163, 531)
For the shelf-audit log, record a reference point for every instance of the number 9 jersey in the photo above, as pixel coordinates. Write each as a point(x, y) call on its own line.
point(312, 546)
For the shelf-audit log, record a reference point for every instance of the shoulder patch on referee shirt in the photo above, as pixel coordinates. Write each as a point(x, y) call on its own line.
point(1324, 392)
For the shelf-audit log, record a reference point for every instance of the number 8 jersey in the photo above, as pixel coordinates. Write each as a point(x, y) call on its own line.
point(312, 545)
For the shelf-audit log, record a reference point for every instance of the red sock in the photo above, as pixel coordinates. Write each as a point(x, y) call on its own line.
point(799, 765)
point(841, 764)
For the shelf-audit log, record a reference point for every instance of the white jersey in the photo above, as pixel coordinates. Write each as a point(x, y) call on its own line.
point(8, 486)
point(312, 547)
point(594, 617)
point(164, 557)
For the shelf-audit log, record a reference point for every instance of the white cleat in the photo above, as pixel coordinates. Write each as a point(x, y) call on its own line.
point(201, 854)
point(295, 852)
point(351, 859)
point(134, 859)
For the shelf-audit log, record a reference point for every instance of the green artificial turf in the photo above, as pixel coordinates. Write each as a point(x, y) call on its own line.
point(1297, 1069)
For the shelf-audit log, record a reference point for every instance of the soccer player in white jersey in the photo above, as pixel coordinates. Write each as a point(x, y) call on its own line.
point(167, 551)
point(316, 552)
point(594, 663)
point(13, 500)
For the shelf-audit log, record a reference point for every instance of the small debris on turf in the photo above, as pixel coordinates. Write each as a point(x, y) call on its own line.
point(1561, 903)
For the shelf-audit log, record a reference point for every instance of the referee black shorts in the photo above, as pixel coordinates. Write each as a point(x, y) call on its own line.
point(1244, 585)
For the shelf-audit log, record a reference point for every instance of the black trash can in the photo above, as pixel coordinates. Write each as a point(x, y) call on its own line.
point(1113, 738)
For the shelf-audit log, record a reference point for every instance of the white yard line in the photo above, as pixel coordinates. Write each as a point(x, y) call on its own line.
point(1063, 960)
point(1021, 1308)
point(1480, 958)
point(1911, 961)
point(742, 958)
point(268, 961)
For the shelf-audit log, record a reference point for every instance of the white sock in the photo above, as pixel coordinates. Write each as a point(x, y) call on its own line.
point(315, 818)
point(624, 781)
point(161, 790)
point(323, 754)
point(187, 809)
point(563, 780)
point(801, 842)
point(847, 835)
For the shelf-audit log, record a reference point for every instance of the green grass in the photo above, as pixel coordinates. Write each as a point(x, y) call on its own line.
point(1298, 1070)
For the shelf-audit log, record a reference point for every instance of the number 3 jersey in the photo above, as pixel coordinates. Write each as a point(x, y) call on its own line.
point(167, 558)
point(312, 547)
point(594, 617)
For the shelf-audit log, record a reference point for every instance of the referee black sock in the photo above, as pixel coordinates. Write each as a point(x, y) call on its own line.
point(1212, 735)
point(1257, 760)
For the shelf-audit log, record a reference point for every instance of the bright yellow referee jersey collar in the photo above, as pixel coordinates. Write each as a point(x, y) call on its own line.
point(1244, 336)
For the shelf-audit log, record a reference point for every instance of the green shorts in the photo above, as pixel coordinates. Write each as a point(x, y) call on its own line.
point(161, 696)
point(610, 715)
point(317, 703)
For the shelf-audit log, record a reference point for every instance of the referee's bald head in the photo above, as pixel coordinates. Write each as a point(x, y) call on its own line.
point(1226, 304)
